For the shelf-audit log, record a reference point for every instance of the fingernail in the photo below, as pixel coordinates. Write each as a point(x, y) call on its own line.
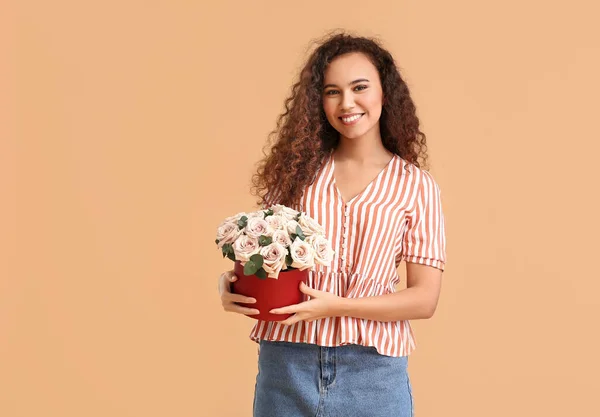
point(251, 300)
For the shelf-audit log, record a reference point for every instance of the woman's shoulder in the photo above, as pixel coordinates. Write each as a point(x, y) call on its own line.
point(418, 173)
point(419, 182)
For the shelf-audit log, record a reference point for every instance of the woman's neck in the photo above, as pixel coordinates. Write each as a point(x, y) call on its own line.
point(365, 149)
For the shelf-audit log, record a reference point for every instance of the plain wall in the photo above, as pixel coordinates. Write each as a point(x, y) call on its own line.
point(130, 129)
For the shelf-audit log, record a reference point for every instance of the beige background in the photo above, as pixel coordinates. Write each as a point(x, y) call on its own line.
point(130, 129)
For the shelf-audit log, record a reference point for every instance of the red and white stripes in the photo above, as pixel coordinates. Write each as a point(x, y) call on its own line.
point(397, 217)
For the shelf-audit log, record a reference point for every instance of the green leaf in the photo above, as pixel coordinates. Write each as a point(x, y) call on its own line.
point(289, 260)
point(257, 260)
point(242, 222)
point(261, 273)
point(265, 240)
point(300, 233)
point(217, 241)
point(298, 216)
point(269, 212)
point(231, 256)
point(227, 248)
point(250, 268)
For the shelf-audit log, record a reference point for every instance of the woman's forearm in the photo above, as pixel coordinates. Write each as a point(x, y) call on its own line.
point(408, 304)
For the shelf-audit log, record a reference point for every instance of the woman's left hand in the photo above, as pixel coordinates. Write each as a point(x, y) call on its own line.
point(322, 304)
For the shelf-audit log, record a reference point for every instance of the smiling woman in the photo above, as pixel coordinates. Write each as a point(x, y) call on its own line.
point(347, 152)
point(355, 108)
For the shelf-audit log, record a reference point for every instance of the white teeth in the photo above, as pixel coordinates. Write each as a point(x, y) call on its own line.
point(351, 119)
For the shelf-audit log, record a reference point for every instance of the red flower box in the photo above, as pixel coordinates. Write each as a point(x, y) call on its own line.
point(270, 293)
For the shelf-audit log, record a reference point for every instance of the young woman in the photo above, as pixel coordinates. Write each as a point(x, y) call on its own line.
point(346, 153)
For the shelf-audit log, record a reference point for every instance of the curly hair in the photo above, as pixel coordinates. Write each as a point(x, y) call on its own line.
point(303, 137)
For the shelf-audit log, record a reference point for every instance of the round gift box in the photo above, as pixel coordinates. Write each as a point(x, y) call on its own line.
point(270, 293)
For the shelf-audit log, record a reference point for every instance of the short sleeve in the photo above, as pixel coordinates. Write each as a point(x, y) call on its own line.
point(424, 240)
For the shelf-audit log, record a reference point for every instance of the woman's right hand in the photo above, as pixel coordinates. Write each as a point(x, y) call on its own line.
point(229, 300)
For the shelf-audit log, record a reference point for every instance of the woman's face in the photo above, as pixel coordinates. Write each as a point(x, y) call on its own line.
point(352, 95)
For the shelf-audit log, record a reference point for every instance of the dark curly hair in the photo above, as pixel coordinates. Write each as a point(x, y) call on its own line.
point(304, 137)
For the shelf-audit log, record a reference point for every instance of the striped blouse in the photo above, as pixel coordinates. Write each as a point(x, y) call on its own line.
point(397, 217)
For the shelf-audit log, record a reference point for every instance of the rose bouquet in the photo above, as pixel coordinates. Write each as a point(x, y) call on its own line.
point(273, 250)
point(268, 241)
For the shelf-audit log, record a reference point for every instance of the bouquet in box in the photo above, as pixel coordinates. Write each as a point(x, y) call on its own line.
point(267, 242)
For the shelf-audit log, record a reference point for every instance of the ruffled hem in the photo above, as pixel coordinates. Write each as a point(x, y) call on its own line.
point(397, 342)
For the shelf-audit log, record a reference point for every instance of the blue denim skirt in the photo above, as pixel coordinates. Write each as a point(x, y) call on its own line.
point(307, 380)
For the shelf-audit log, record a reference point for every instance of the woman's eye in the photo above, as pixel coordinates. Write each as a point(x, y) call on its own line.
point(357, 88)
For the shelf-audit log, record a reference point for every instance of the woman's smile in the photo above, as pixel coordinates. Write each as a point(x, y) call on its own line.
point(351, 119)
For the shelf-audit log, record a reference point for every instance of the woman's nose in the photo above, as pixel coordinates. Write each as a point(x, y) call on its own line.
point(347, 102)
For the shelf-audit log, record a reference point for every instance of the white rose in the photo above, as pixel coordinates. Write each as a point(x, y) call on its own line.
point(273, 259)
point(259, 214)
point(310, 226)
point(322, 249)
point(227, 232)
point(244, 247)
point(302, 254)
point(236, 218)
point(276, 221)
point(282, 237)
point(257, 227)
point(287, 212)
point(291, 226)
